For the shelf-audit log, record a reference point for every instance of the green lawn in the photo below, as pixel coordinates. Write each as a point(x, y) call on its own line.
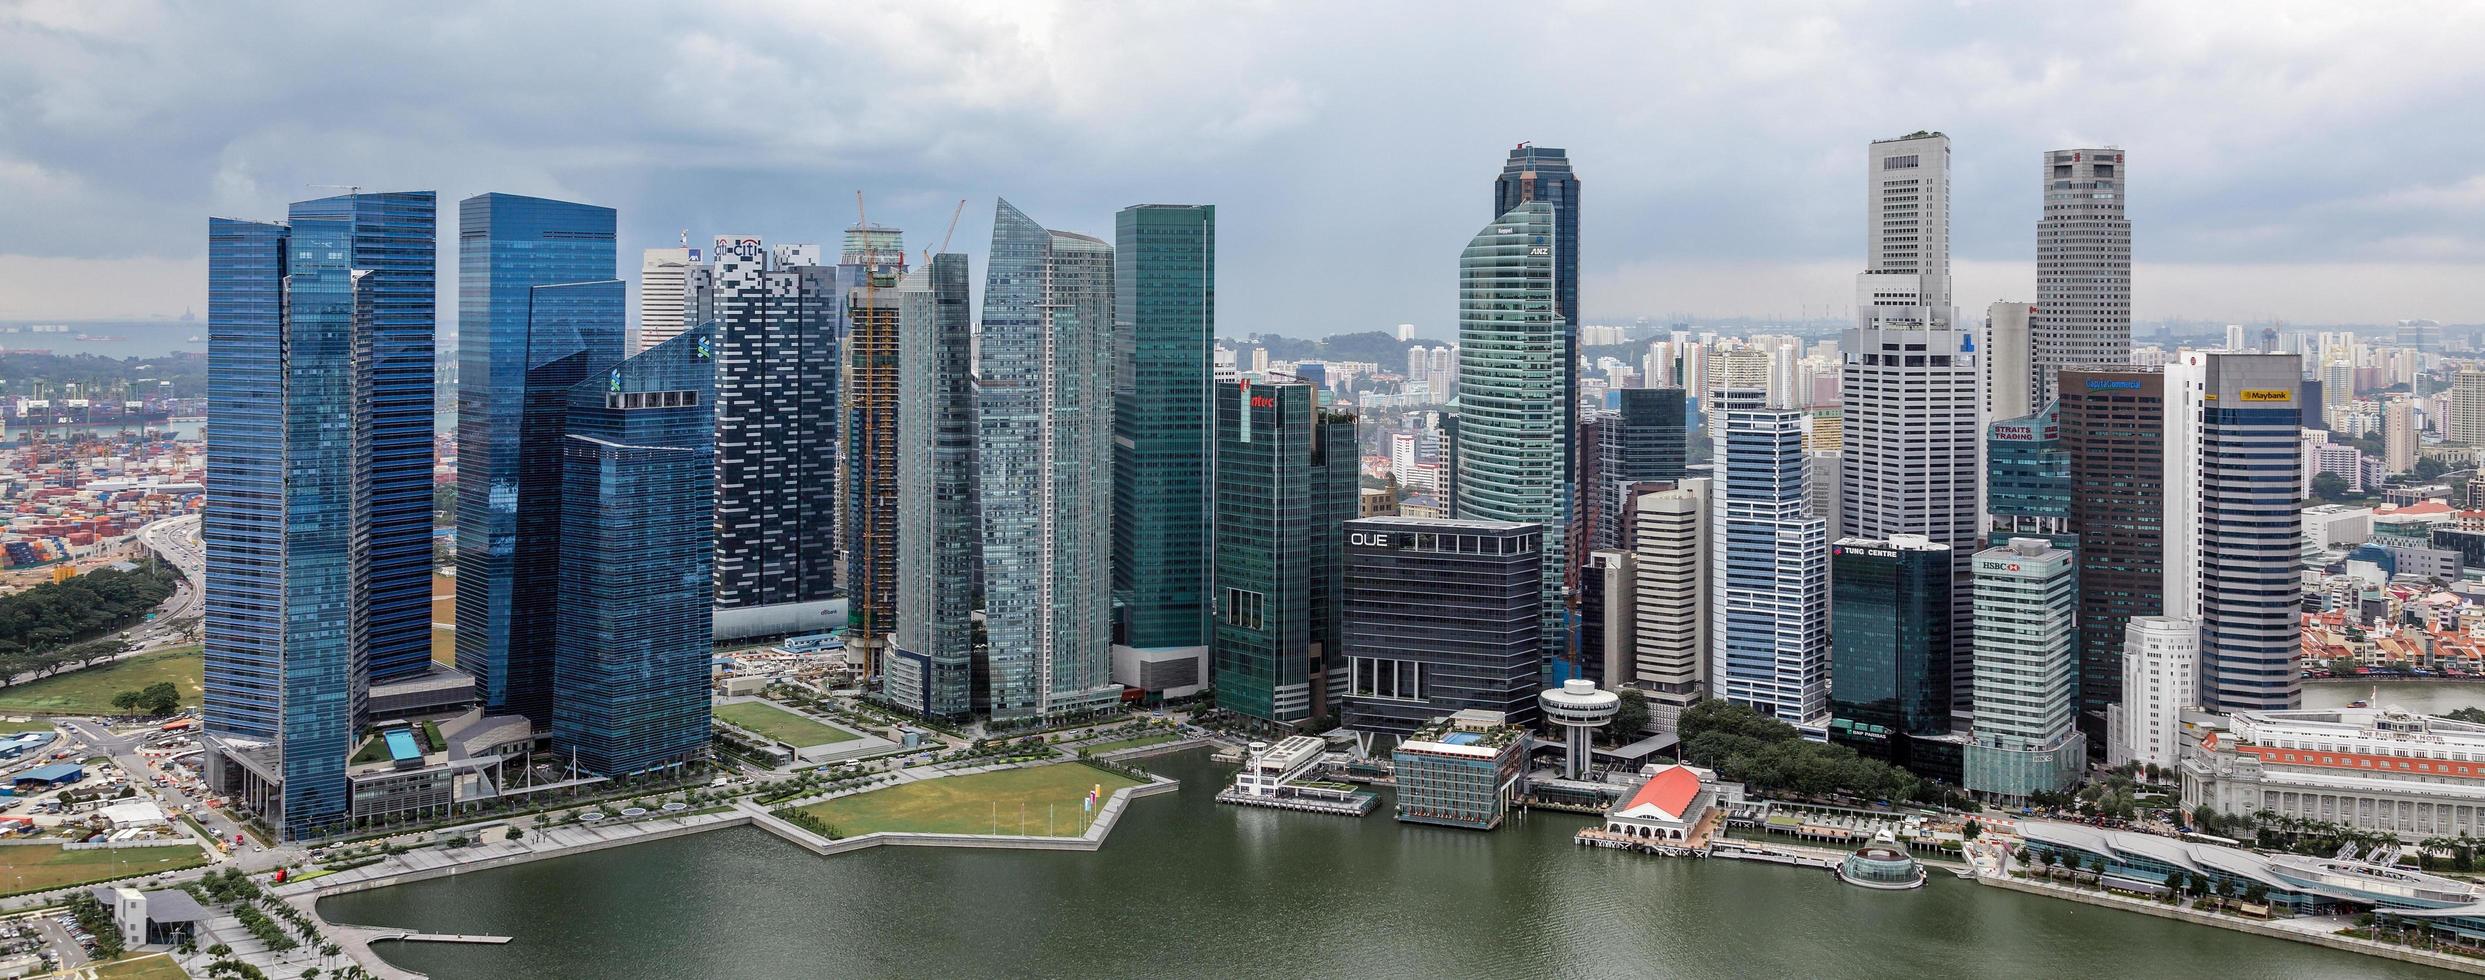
point(39, 867)
point(156, 967)
point(1156, 738)
point(90, 691)
point(784, 726)
point(976, 804)
point(15, 727)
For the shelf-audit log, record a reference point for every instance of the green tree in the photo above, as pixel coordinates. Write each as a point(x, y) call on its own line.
point(1629, 719)
point(127, 702)
point(2329, 486)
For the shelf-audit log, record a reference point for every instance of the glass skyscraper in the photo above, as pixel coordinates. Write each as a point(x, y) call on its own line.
point(1044, 446)
point(938, 541)
point(318, 358)
point(1889, 627)
point(1542, 174)
point(2028, 475)
point(1164, 309)
point(539, 311)
point(777, 313)
point(1440, 616)
point(1512, 455)
point(1769, 605)
point(632, 637)
point(1286, 479)
point(1644, 439)
point(394, 245)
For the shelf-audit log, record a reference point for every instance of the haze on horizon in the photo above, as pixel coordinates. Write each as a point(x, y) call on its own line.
point(2316, 163)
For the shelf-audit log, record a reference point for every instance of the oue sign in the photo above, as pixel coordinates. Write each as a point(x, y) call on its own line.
point(1379, 540)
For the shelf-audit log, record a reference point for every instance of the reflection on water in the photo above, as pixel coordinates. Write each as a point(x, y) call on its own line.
point(2422, 697)
point(1187, 888)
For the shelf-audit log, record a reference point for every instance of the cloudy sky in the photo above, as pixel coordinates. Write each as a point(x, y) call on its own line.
point(2318, 162)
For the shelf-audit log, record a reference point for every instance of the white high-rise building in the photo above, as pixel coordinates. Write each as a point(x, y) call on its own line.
point(1906, 274)
point(1406, 332)
point(2466, 424)
point(2234, 467)
point(665, 308)
point(1402, 457)
point(2083, 267)
point(2398, 435)
point(2013, 385)
point(1911, 386)
point(1418, 364)
point(1669, 635)
point(2235, 338)
point(2027, 597)
point(1769, 573)
point(2161, 677)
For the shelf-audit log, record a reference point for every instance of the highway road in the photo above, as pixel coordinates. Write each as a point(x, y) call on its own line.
point(177, 539)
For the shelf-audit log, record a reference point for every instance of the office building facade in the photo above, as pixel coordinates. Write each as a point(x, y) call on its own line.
point(1769, 573)
point(2114, 433)
point(2083, 265)
point(633, 637)
point(2027, 596)
point(939, 539)
point(1164, 309)
point(1644, 441)
point(1285, 485)
point(1910, 387)
point(2013, 387)
point(778, 315)
point(1044, 447)
point(1440, 616)
point(1512, 456)
point(539, 311)
point(2234, 532)
point(322, 318)
point(1889, 626)
point(1669, 600)
point(666, 307)
point(2161, 680)
point(2028, 475)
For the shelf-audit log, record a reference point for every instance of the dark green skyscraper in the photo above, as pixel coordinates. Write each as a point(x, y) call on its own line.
point(1164, 324)
point(1890, 645)
point(1285, 484)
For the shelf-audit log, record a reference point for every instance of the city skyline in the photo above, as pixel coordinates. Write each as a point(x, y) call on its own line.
point(2238, 227)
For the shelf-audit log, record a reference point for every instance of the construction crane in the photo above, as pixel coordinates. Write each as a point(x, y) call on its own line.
point(953, 229)
point(351, 190)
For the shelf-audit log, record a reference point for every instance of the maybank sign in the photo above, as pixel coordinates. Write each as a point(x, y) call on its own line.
point(2266, 395)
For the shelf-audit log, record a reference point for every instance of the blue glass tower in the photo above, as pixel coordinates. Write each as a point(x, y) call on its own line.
point(637, 545)
point(318, 360)
point(393, 241)
point(538, 312)
point(938, 542)
point(1044, 455)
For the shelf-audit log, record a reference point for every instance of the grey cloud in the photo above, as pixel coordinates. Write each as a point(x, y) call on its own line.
point(1349, 146)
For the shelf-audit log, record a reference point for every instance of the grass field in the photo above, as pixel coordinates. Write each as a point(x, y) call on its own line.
point(38, 867)
point(1153, 738)
point(90, 691)
point(14, 727)
point(782, 725)
point(977, 804)
point(156, 967)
